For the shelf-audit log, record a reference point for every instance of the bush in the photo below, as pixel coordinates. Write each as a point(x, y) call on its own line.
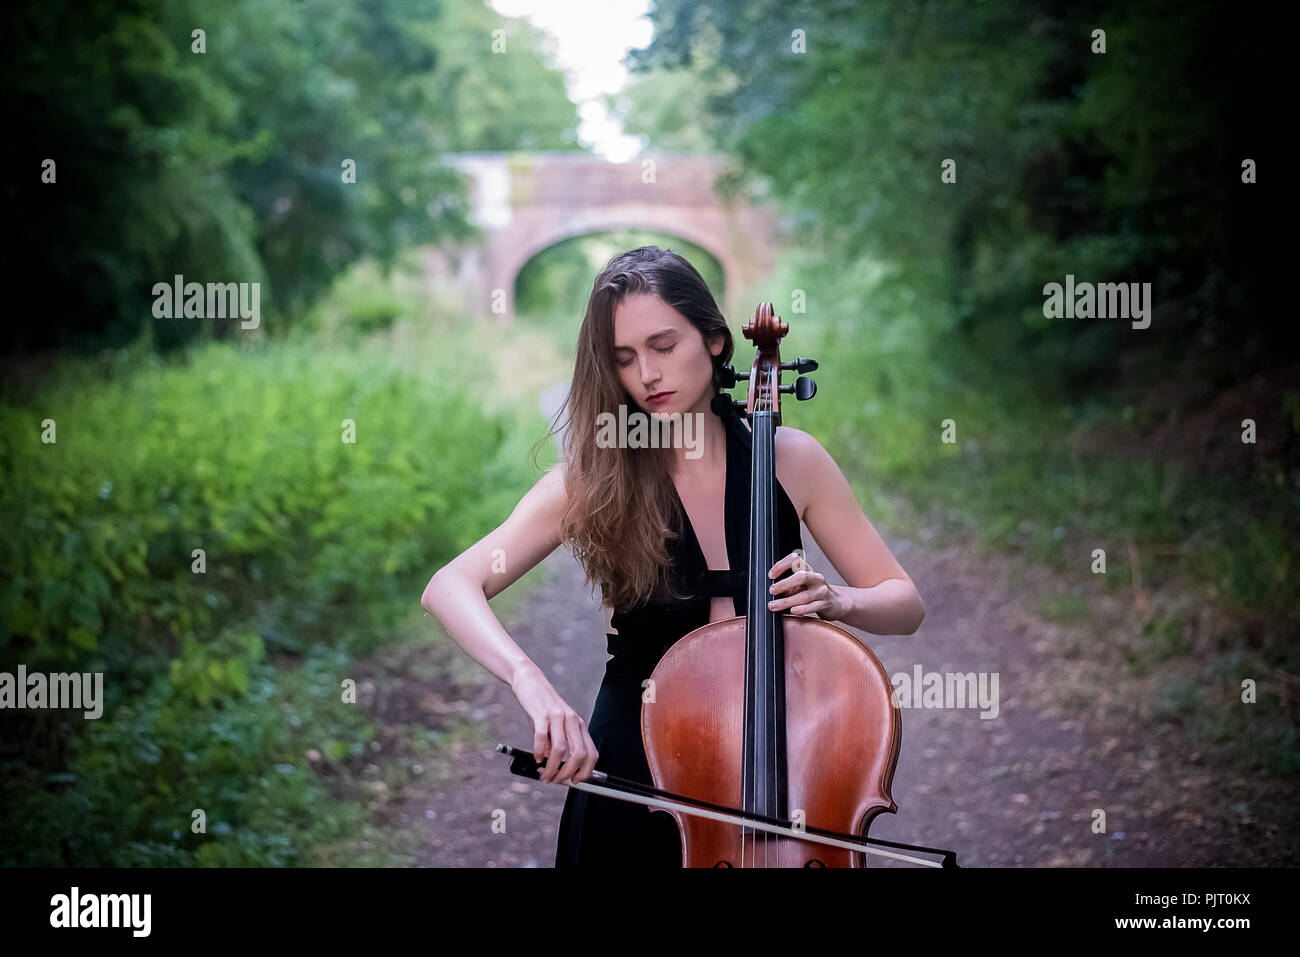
point(206, 535)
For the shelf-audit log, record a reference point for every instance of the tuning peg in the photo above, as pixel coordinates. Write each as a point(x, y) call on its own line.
point(801, 365)
point(730, 376)
point(803, 388)
point(722, 400)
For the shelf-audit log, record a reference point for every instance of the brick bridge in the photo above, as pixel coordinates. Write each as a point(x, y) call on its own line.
point(525, 202)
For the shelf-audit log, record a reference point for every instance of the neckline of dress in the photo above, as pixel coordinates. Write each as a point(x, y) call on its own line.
point(703, 562)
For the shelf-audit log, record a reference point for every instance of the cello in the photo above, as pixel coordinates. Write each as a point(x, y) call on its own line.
point(771, 738)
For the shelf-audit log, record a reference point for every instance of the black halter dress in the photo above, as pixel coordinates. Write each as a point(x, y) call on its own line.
point(603, 832)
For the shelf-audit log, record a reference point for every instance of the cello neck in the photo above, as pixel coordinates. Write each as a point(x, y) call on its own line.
point(765, 744)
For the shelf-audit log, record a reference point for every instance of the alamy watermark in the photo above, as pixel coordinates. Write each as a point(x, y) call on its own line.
point(1106, 300)
point(218, 300)
point(938, 689)
point(75, 909)
point(637, 430)
point(58, 690)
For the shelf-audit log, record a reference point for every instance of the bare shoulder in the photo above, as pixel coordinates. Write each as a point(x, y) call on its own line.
point(554, 477)
point(799, 450)
point(800, 462)
point(793, 444)
point(796, 441)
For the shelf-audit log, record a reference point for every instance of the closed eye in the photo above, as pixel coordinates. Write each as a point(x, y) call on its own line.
point(667, 351)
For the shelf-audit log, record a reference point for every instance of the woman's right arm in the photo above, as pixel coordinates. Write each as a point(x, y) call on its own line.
point(458, 593)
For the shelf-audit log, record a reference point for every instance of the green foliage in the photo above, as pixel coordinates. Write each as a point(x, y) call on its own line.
point(1011, 483)
point(1065, 162)
point(226, 165)
point(244, 455)
point(216, 670)
point(130, 794)
point(219, 667)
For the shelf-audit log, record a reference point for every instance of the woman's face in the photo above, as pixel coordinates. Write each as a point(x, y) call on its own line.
point(656, 349)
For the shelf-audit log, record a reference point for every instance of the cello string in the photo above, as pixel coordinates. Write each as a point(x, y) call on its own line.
point(769, 618)
point(766, 619)
point(750, 759)
point(755, 661)
point(756, 558)
point(769, 534)
point(761, 536)
point(746, 769)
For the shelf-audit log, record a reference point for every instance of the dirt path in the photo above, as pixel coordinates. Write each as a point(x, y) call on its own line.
point(1021, 789)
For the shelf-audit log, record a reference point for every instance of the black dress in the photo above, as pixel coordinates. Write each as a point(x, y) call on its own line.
point(603, 832)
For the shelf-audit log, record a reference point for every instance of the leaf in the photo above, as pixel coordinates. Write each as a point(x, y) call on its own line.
point(253, 642)
point(237, 674)
point(203, 688)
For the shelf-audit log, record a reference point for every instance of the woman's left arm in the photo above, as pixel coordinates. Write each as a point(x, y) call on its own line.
point(880, 597)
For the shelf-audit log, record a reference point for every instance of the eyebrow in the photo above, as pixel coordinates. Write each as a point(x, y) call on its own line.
point(651, 338)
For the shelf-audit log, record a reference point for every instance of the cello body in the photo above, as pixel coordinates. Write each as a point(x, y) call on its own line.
point(841, 742)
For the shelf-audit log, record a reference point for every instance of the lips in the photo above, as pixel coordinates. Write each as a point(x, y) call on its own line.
point(660, 396)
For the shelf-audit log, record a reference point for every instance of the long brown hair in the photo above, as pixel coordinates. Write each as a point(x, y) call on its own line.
point(620, 512)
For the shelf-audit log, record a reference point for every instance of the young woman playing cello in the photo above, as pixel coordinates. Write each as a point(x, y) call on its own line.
point(664, 534)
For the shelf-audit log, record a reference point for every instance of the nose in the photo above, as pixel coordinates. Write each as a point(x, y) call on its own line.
point(648, 375)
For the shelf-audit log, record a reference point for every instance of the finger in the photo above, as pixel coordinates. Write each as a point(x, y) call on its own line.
point(814, 592)
point(593, 756)
point(812, 608)
point(797, 580)
point(777, 604)
point(783, 564)
point(588, 763)
point(577, 750)
point(539, 741)
point(820, 602)
point(558, 746)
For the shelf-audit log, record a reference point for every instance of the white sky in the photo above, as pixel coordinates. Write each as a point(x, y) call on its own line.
point(590, 38)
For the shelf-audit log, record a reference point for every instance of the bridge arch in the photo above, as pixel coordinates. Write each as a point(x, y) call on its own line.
point(614, 220)
point(526, 202)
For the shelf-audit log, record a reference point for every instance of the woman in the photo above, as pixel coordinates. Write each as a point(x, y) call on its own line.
point(664, 531)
